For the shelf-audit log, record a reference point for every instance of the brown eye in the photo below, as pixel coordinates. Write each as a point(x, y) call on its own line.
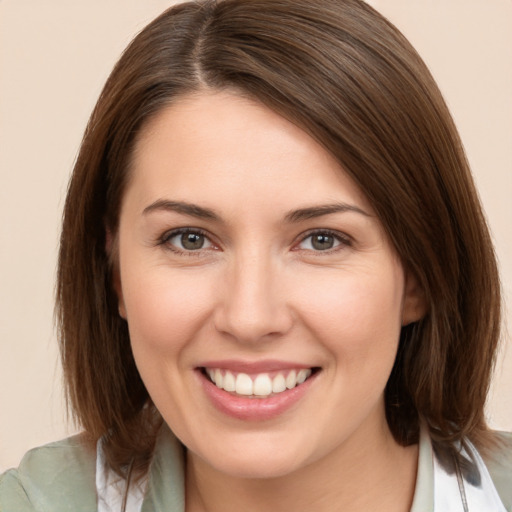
point(187, 240)
point(321, 242)
point(192, 241)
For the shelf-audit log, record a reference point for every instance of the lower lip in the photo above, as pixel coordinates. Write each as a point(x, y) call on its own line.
point(254, 409)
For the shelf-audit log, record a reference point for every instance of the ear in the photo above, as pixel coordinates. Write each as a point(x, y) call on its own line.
point(112, 250)
point(116, 281)
point(415, 304)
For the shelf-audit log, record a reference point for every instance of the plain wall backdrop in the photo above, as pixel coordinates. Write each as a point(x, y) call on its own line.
point(55, 56)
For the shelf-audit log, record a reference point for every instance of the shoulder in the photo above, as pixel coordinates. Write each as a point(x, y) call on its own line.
point(54, 477)
point(499, 464)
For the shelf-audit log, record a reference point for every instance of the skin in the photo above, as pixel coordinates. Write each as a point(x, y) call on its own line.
point(258, 289)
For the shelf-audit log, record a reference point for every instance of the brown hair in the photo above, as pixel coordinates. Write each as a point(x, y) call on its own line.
point(347, 76)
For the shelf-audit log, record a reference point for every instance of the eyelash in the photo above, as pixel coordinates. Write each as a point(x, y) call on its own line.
point(166, 237)
point(344, 240)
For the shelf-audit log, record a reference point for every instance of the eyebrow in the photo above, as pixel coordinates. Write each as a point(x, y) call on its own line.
point(190, 209)
point(294, 216)
point(318, 211)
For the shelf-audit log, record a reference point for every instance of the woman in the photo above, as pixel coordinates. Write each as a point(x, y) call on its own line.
point(276, 287)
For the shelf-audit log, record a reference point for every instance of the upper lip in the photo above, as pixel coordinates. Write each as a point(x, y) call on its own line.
point(267, 365)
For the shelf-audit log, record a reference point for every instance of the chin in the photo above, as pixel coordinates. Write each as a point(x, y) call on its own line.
point(257, 457)
point(257, 467)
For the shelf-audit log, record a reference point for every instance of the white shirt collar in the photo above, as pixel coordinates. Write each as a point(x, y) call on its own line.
point(438, 489)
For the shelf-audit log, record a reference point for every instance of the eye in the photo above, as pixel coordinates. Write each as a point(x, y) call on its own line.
point(322, 241)
point(187, 240)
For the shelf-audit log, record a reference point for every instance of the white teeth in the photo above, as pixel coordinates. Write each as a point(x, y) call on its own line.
point(244, 384)
point(229, 382)
point(303, 375)
point(279, 383)
point(262, 385)
point(291, 380)
point(218, 378)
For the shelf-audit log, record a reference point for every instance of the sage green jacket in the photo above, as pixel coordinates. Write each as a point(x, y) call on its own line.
point(61, 477)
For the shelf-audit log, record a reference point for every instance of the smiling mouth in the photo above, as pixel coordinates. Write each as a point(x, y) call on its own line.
point(260, 385)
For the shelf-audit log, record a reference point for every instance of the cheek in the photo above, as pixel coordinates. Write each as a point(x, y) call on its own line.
point(357, 313)
point(165, 312)
point(165, 309)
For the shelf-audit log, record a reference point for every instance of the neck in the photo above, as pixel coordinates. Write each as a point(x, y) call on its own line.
point(359, 475)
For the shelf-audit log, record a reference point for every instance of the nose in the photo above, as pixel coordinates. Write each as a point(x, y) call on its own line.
point(252, 305)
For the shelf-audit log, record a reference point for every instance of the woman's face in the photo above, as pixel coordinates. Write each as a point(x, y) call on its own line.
point(248, 257)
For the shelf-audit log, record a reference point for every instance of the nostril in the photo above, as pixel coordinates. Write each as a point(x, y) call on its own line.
point(255, 325)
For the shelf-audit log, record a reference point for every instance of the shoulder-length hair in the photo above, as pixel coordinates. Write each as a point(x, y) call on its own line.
point(346, 75)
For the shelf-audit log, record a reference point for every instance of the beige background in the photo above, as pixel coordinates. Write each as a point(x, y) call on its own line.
point(54, 58)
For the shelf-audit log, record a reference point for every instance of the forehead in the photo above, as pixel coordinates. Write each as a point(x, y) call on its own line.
point(212, 145)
